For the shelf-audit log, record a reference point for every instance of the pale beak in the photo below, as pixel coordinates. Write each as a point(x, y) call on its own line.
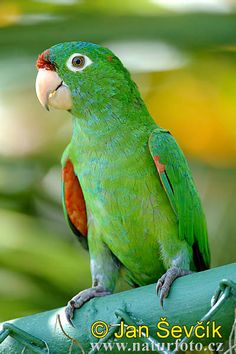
point(52, 91)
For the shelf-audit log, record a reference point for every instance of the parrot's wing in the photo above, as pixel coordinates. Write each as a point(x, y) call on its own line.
point(178, 183)
point(73, 203)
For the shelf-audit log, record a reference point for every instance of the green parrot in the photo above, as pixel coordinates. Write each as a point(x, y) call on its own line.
point(128, 193)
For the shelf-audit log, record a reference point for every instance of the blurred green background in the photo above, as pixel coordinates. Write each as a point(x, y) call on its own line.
point(182, 54)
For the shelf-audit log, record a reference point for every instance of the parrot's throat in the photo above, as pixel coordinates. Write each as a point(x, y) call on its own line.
point(98, 130)
point(110, 113)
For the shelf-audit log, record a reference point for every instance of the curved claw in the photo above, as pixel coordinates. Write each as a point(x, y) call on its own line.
point(158, 286)
point(163, 295)
point(69, 312)
point(160, 283)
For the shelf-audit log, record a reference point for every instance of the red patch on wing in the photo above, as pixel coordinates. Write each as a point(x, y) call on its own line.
point(43, 62)
point(74, 199)
point(160, 167)
point(110, 57)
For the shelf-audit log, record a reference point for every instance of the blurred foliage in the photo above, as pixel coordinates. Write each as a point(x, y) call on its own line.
point(185, 67)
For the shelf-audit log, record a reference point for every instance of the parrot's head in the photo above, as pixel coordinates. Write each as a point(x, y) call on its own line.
point(74, 75)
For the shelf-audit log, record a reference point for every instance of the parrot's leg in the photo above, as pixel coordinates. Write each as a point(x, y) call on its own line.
point(177, 260)
point(104, 268)
point(165, 282)
point(83, 296)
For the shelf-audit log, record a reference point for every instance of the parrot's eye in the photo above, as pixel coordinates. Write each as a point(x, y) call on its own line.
point(78, 62)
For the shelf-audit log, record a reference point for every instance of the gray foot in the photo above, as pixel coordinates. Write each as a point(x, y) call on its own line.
point(78, 300)
point(165, 282)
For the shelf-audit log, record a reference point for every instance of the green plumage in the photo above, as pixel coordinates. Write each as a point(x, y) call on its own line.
point(178, 183)
point(137, 220)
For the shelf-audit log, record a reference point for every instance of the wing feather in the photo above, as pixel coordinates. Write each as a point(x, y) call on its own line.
point(178, 183)
point(73, 203)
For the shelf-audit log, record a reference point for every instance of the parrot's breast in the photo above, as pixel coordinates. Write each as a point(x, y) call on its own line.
point(126, 204)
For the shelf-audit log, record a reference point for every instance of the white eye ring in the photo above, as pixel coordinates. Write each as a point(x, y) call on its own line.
point(85, 61)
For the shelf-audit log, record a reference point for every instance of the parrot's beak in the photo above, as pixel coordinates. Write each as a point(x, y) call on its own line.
point(52, 91)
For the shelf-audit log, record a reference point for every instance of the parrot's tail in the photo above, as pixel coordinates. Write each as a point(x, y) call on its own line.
point(198, 259)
